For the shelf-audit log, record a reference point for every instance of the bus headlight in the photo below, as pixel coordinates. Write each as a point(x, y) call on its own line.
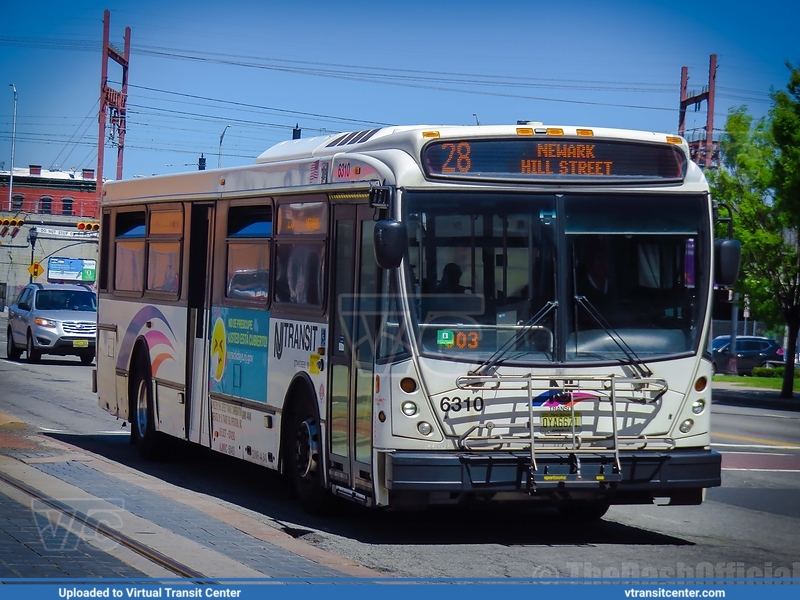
point(698, 406)
point(424, 427)
point(409, 408)
point(686, 426)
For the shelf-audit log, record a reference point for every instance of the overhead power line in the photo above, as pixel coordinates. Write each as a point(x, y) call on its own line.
point(476, 83)
point(368, 75)
point(91, 110)
point(292, 113)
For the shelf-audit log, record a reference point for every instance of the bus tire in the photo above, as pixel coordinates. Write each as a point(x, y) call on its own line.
point(592, 510)
point(143, 428)
point(303, 452)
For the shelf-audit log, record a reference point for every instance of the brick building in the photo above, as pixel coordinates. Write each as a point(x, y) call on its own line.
point(53, 202)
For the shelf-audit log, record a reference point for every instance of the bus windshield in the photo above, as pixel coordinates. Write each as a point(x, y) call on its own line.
point(556, 278)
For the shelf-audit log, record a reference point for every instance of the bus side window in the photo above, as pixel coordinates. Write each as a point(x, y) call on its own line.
point(129, 251)
point(298, 275)
point(300, 252)
point(164, 243)
point(248, 251)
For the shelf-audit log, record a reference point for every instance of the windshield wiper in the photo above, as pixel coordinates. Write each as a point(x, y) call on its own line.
point(633, 360)
point(511, 342)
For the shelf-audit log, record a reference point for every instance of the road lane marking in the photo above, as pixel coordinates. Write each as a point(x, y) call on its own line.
point(758, 454)
point(757, 413)
point(762, 470)
point(744, 438)
point(756, 446)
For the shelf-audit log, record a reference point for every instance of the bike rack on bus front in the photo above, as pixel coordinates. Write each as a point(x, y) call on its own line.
point(602, 465)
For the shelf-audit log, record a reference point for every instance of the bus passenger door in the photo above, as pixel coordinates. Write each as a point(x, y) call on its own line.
point(200, 253)
point(354, 304)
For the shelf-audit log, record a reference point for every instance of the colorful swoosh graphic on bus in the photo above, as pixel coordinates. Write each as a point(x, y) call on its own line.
point(156, 338)
point(153, 337)
point(561, 398)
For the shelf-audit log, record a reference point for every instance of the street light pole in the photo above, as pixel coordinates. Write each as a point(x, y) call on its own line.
point(13, 139)
point(222, 135)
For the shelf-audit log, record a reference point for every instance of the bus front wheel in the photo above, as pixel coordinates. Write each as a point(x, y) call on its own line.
point(304, 458)
point(143, 430)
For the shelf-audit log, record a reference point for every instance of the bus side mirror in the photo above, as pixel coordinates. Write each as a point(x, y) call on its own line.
point(727, 257)
point(390, 243)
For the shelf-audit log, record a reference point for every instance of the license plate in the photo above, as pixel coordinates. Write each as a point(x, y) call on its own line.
point(80, 343)
point(560, 420)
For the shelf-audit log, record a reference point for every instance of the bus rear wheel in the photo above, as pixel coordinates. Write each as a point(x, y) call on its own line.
point(304, 458)
point(143, 430)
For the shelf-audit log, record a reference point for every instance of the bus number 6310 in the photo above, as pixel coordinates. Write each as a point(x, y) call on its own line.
point(455, 404)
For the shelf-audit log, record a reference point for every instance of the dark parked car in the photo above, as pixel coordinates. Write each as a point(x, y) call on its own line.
point(751, 351)
point(50, 318)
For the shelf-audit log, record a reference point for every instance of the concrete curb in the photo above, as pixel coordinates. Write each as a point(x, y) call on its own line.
point(727, 394)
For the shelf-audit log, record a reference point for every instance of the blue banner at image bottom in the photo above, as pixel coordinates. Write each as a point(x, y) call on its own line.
point(389, 590)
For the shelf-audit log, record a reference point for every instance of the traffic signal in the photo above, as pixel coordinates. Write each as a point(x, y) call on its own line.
point(89, 226)
point(15, 225)
point(12, 225)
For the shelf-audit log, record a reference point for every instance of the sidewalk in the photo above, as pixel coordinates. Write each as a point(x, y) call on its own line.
point(37, 541)
point(729, 394)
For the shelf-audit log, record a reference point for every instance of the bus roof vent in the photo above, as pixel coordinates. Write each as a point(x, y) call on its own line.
point(356, 137)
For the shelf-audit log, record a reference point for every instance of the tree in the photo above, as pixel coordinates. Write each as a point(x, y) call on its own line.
point(785, 115)
point(760, 178)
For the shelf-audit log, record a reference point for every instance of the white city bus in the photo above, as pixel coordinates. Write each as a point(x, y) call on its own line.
point(411, 316)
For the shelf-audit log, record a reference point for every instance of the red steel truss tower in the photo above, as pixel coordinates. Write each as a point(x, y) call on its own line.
point(112, 102)
point(705, 152)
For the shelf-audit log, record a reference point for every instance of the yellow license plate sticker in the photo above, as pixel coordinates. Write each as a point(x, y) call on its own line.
point(80, 343)
point(560, 420)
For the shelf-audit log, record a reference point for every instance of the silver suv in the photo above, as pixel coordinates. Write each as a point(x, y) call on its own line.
point(53, 319)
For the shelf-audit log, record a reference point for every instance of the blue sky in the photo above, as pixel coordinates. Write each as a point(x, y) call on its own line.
point(263, 66)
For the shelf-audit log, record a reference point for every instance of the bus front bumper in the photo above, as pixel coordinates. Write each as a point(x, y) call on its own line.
point(644, 475)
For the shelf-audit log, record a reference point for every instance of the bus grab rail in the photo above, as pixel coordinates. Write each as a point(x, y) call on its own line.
point(644, 390)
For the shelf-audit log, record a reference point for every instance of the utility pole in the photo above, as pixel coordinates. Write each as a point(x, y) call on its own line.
point(13, 139)
point(112, 101)
point(732, 368)
point(704, 152)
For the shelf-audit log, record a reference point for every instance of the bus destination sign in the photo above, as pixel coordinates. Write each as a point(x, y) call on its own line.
point(554, 160)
